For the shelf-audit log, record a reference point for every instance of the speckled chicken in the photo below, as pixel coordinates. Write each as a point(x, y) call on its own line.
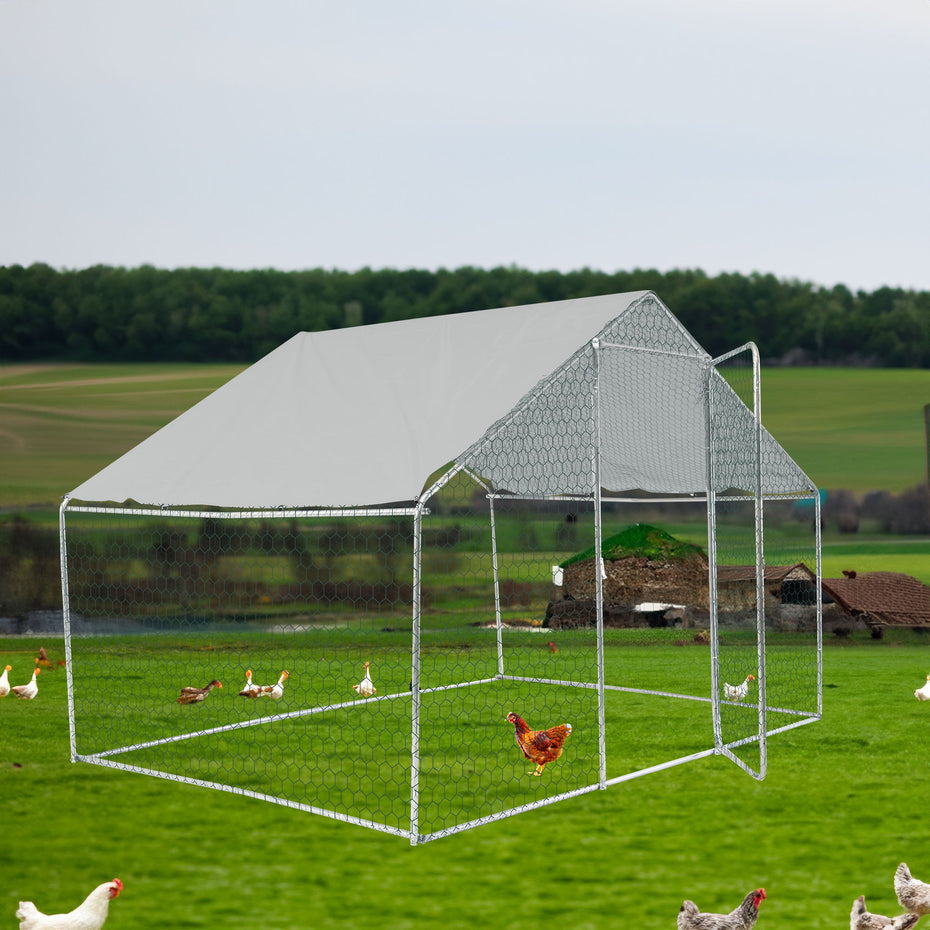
point(913, 894)
point(862, 919)
point(539, 746)
point(742, 918)
point(190, 695)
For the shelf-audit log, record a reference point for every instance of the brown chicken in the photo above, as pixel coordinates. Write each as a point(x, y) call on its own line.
point(539, 746)
point(191, 695)
point(742, 918)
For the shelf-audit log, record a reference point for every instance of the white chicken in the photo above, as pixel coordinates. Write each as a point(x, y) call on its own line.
point(741, 918)
point(923, 694)
point(5, 681)
point(913, 894)
point(737, 692)
point(29, 690)
point(275, 691)
point(91, 915)
point(365, 687)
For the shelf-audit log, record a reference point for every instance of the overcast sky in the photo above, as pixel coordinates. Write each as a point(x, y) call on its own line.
point(783, 136)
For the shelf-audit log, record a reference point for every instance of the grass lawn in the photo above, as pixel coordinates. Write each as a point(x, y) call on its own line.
point(843, 803)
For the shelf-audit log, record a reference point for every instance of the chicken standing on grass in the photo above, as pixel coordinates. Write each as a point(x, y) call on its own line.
point(5, 681)
point(91, 915)
point(191, 695)
point(913, 894)
point(862, 919)
point(29, 690)
point(366, 687)
point(923, 694)
point(539, 746)
point(737, 692)
point(742, 918)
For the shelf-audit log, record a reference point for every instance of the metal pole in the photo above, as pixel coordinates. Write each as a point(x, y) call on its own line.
point(760, 554)
point(415, 679)
point(599, 569)
point(497, 591)
point(712, 560)
point(66, 620)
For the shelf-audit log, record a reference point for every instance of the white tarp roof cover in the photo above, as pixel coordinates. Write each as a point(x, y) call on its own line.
point(365, 415)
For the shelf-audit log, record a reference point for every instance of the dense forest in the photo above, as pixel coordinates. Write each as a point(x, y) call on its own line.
point(212, 314)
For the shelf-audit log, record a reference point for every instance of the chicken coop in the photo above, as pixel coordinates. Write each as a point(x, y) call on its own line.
point(336, 582)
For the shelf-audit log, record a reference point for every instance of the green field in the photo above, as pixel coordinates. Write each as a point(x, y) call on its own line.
point(842, 804)
point(860, 429)
point(60, 424)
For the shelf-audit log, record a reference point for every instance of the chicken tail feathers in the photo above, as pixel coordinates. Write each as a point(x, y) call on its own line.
point(27, 914)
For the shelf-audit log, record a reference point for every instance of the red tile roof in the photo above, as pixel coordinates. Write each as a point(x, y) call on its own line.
point(881, 598)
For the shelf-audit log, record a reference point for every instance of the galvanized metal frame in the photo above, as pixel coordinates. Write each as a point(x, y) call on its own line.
point(415, 834)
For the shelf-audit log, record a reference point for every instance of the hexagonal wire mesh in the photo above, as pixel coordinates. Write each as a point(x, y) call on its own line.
point(408, 633)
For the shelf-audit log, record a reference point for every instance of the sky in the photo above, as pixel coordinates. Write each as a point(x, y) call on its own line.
point(789, 137)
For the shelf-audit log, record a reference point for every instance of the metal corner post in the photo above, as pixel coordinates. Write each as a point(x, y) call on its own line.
point(599, 567)
point(415, 677)
point(712, 560)
point(760, 554)
point(497, 590)
point(66, 621)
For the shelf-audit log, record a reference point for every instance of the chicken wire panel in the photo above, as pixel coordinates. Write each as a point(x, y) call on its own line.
point(793, 611)
point(545, 445)
point(783, 655)
point(739, 647)
point(160, 603)
point(486, 586)
point(652, 421)
point(765, 547)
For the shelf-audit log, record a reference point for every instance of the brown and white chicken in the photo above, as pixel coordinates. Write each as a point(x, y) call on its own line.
point(738, 692)
point(275, 691)
point(366, 687)
point(923, 694)
point(742, 918)
point(29, 690)
point(862, 919)
point(91, 915)
point(251, 689)
point(5, 681)
point(191, 695)
point(913, 894)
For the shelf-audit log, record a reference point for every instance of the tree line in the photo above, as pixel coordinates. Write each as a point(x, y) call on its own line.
point(106, 313)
